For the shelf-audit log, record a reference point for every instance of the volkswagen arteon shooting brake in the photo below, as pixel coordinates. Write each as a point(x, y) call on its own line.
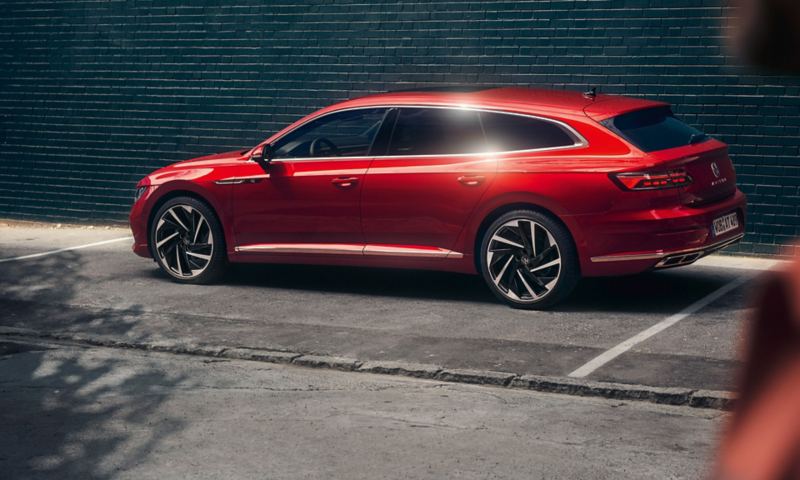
point(532, 189)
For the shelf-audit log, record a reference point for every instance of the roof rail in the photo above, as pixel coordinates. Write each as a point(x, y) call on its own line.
point(446, 89)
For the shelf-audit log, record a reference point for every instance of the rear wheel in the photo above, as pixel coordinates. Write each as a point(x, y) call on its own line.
point(188, 241)
point(529, 260)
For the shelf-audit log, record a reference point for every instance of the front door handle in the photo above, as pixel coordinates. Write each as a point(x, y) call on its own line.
point(345, 182)
point(471, 180)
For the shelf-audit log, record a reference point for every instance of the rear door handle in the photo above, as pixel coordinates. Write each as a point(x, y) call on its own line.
point(345, 182)
point(471, 180)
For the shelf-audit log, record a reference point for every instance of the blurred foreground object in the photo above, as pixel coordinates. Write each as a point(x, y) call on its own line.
point(768, 33)
point(763, 440)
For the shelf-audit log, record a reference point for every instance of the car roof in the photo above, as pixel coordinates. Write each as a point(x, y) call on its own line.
point(524, 100)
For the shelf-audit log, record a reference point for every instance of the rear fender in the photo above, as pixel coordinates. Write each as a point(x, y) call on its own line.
point(468, 239)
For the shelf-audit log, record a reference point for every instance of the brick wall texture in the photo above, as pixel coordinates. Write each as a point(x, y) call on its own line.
point(96, 94)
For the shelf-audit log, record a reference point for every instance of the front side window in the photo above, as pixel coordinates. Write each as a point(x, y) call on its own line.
point(510, 133)
point(343, 134)
point(437, 131)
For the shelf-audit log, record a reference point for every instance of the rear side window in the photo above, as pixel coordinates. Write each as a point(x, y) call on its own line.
point(654, 129)
point(509, 133)
point(437, 131)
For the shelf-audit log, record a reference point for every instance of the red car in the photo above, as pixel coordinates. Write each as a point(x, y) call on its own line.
point(533, 189)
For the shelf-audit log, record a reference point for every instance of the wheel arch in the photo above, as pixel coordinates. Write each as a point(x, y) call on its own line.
point(190, 190)
point(482, 225)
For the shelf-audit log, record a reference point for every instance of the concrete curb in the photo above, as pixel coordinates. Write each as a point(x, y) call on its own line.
point(416, 370)
point(476, 377)
point(713, 399)
point(617, 391)
point(321, 361)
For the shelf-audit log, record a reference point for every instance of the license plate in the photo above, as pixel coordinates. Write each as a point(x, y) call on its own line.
point(725, 223)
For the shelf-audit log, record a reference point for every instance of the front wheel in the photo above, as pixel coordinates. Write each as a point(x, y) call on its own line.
point(188, 242)
point(529, 260)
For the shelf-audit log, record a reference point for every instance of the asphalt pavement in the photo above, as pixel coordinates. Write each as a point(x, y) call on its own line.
point(450, 320)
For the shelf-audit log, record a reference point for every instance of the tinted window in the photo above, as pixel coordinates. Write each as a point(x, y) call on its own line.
point(654, 129)
point(509, 133)
point(437, 131)
point(344, 134)
point(381, 143)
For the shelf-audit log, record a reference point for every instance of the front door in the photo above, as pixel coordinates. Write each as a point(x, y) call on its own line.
point(309, 201)
point(420, 193)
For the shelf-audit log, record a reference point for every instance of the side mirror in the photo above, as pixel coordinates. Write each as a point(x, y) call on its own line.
point(263, 156)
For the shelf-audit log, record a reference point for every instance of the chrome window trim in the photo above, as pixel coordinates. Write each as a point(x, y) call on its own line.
point(581, 141)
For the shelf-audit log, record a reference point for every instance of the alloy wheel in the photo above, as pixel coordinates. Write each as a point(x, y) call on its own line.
point(184, 241)
point(524, 261)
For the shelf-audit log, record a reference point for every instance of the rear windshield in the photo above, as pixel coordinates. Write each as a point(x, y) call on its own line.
point(654, 129)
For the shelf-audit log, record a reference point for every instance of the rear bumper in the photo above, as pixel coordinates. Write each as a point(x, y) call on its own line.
point(673, 259)
point(622, 243)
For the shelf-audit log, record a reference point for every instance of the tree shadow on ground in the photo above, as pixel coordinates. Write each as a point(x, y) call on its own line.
point(39, 291)
point(52, 278)
point(78, 416)
point(61, 416)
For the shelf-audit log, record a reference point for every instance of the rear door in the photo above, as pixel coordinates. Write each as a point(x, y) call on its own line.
point(420, 191)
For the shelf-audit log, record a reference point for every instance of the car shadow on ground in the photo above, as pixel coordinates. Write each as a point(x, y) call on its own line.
point(649, 292)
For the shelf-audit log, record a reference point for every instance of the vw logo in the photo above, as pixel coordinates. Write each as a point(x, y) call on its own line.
point(715, 169)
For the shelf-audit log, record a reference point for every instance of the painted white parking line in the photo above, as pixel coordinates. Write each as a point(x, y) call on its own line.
point(34, 255)
point(747, 263)
point(623, 347)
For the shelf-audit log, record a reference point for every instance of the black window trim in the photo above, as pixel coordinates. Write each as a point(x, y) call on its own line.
point(580, 141)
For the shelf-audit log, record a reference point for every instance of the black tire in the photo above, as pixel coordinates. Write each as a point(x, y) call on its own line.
point(540, 274)
point(198, 244)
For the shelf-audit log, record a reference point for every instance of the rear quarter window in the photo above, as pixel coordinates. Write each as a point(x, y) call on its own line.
point(510, 133)
point(654, 129)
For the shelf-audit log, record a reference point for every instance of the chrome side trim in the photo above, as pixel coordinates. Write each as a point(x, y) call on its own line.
point(658, 255)
point(317, 173)
point(350, 249)
point(393, 251)
point(228, 181)
point(621, 258)
point(240, 180)
point(303, 248)
point(477, 166)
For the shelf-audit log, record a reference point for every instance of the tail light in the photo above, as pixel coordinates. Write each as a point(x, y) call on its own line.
point(652, 180)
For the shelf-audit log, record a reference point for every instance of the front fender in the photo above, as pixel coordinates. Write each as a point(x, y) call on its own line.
point(217, 196)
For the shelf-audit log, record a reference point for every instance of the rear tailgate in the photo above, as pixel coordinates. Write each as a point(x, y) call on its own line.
point(710, 166)
point(656, 131)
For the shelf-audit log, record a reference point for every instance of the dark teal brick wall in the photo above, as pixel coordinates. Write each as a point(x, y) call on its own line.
point(96, 94)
